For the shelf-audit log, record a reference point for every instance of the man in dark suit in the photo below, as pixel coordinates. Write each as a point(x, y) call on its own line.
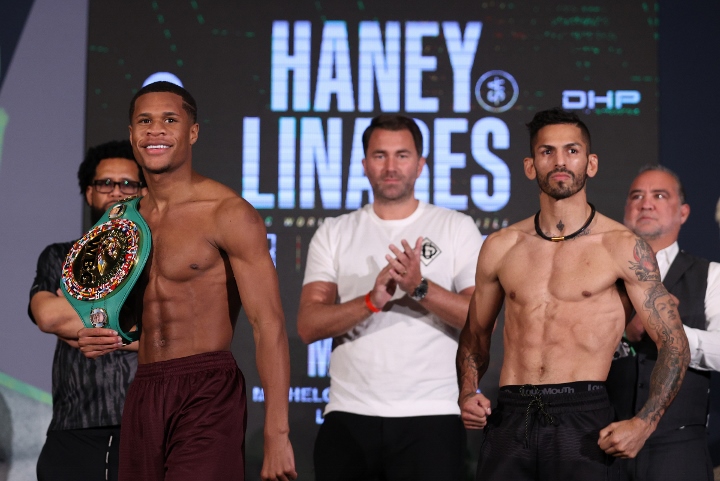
point(655, 210)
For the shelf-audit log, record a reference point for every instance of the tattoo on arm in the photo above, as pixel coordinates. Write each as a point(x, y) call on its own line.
point(664, 321)
point(473, 359)
point(645, 266)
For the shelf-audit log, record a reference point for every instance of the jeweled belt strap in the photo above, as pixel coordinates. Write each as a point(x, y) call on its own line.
point(103, 266)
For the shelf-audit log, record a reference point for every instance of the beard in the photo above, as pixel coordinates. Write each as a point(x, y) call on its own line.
point(564, 189)
point(393, 193)
point(647, 233)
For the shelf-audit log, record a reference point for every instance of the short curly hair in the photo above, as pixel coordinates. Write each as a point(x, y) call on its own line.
point(116, 149)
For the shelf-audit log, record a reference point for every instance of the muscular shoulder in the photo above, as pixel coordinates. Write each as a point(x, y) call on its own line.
point(497, 245)
point(510, 236)
point(206, 189)
point(632, 255)
point(234, 221)
point(616, 238)
point(605, 225)
point(224, 205)
point(235, 214)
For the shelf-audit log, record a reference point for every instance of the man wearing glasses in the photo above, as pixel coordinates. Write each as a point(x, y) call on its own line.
point(88, 395)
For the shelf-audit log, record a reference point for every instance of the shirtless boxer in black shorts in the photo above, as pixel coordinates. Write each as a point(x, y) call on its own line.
point(559, 274)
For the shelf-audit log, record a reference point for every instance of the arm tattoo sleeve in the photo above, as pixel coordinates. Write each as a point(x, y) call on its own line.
point(645, 266)
point(664, 322)
point(473, 359)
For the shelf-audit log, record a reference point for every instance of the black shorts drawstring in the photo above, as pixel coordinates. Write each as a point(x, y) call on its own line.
point(528, 390)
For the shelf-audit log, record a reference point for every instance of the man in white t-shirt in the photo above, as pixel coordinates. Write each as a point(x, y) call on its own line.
point(391, 283)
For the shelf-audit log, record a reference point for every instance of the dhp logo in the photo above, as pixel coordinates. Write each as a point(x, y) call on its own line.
point(579, 99)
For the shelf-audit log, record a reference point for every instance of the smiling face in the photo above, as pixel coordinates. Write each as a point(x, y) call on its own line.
point(392, 165)
point(653, 209)
point(561, 162)
point(162, 132)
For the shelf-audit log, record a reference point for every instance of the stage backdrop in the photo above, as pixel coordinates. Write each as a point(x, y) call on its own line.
point(285, 90)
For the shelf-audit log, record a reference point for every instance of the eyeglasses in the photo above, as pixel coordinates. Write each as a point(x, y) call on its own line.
point(105, 186)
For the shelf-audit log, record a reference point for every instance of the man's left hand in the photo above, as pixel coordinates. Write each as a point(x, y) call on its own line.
point(406, 265)
point(624, 439)
point(279, 459)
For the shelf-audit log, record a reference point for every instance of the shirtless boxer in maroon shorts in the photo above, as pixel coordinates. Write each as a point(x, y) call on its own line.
point(184, 416)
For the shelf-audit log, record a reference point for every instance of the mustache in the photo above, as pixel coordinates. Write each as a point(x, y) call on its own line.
point(557, 170)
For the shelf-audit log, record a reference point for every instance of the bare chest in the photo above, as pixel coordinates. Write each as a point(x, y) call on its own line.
point(563, 311)
point(183, 249)
point(541, 273)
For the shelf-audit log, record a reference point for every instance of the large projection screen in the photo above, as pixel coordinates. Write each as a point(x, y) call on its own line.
point(285, 89)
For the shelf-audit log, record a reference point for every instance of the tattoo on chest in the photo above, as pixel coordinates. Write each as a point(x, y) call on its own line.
point(583, 233)
point(560, 225)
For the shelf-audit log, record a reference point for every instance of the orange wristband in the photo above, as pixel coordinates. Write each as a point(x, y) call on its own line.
point(369, 303)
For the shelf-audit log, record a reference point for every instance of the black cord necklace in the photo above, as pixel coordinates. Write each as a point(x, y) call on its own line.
point(564, 237)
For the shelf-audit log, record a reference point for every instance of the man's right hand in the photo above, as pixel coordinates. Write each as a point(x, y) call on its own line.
point(96, 341)
point(384, 288)
point(475, 409)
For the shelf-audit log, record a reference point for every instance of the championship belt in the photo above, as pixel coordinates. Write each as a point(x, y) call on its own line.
point(103, 266)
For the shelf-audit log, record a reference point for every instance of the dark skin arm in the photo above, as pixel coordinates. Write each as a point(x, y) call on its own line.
point(54, 315)
point(242, 235)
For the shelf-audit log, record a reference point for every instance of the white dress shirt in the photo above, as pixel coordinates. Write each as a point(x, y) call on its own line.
point(704, 345)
